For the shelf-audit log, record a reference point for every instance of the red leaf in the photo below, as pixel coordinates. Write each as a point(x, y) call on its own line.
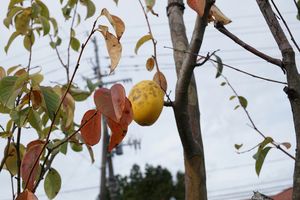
point(29, 159)
point(119, 130)
point(197, 5)
point(91, 131)
point(103, 101)
point(111, 102)
point(35, 142)
point(118, 97)
point(26, 195)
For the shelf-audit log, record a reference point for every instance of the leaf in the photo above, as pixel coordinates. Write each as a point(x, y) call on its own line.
point(261, 155)
point(8, 91)
point(14, 2)
point(120, 129)
point(34, 120)
point(219, 66)
point(141, 41)
point(150, 64)
point(232, 97)
point(44, 9)
point(243, 101)
point(197, 5)
point(103, 102)
point(161, 80)
point(150, 4)
point(223, 83)
point(54, 24)
point(75, 44)
point(26, 195)
point(266, 141)
point(51, 101)
point(91, 86)
point(10, 40)
point(238, 146)
point(52, 183)
point(287, 145)
point(76, 147)
point(29, 41)
point(236, 107)
point(12, 69)
point(118, 97)
point(11, 160)
point(2, 73)
point(91, 153)
point(20, 117)
point(12, 12)
point(217, 16)
point(114, 48)
point(69, 109)
point(22, 20)
point(91, 131)
point(28, 165)
point(116, 1)
point(116, 23)
point(79, 95)
point(90, 6)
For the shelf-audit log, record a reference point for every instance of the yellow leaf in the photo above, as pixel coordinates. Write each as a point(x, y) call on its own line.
point(141, 41)
point(116, 23)
point(2, 72)
point(114, 48)
point(216, 15)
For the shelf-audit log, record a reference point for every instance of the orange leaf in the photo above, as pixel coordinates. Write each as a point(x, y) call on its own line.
point(118, 97)
point(29, 159)
point(103, 101)
point(26, 195)
point(119, 130)
point(197, 5)
point(91, 131)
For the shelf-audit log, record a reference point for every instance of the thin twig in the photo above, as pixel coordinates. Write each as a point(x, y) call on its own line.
point(252, 122)
point(12, 186)
point(61, 101)
point(18, 161)
point(206, 58)
point(220, 27)
point(231, 67)
point(58, 55)
point(248, 150)
point(69, 45)
point(286, 25)
point(154, 42)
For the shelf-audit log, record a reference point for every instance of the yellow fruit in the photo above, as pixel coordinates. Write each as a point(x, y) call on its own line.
point(147, 100)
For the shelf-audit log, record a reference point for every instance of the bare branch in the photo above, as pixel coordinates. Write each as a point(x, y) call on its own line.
point(286, 25)
point(246, 46)
point(58, 55)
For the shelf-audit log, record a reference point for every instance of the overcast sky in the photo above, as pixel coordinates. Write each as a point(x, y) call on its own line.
point(228, 173)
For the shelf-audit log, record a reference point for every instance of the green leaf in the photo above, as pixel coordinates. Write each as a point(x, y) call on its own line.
point(223, 83)
point(44, 9)
point(243, 101)
point(266, 141)
point(12, 69)
point(10, 15)
point(34, 120)
point(236, 107)
point(51, 100)
point(238, 146)
point(75, 44)
point(29, 41)
point(76, 147)
point(219, 66)
point(91, 85)
point(232, 97)
point(79, 95)
point(78, 19)
point(20, 117)
point(8, 91)
point(90, 6)
point(45, 24)
point(141, 41)
point(54, 24)
point(10, 40)
point(260, 158)
point(52, 183)
point(150, 4)
point(14, 2)
point(64, 148)
point(116, 1)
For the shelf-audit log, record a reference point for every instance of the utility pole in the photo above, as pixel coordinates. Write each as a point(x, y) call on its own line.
point(106, 157)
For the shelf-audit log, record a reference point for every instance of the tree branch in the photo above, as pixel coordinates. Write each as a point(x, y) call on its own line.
point(246, 46)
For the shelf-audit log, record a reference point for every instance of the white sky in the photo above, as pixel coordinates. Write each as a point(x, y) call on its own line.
point(227, 171)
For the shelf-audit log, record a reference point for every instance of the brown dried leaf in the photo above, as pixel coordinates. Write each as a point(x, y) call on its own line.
point(150, 64)
point(116, 23)
point(217, 16)
point(161, 80)
point(197, 5)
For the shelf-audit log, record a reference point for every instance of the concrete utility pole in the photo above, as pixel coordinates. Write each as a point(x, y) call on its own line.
point(106, 157)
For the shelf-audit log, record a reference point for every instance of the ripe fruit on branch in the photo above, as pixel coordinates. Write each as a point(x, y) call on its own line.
point(147, 99)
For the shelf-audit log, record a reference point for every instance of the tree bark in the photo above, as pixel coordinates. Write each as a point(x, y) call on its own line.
point(186, 107)
point(293, 79)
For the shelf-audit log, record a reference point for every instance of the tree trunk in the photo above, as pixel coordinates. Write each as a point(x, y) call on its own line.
point(293, 79)
point(186, 107)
